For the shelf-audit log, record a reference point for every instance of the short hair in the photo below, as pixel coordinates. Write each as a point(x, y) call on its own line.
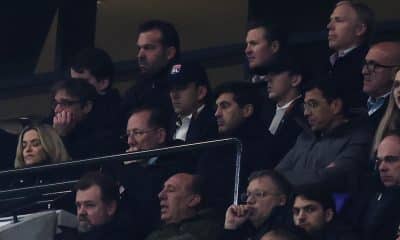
point(365, 15)
point(243, 93)
point(317, 194)
point(109, 188)
point(78, 88)
point(277, 178)
point(273, 32)
point(169, 35)
point(158, 117)
point(330, 90)
point(97, 62)
point(50, 141)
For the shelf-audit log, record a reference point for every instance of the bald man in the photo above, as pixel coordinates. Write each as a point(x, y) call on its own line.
point(381, 63)
point(180, 201)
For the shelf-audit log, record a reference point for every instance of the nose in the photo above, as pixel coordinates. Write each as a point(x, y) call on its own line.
point(161, 195)
point(247, 50)
point(140, 53)
point(301, 217)
point(364, 70)
point(307, 111)
point(81, 210)
point(382, 166)
point(250, 200)
point(174, 94)
point(329, 25)
point(28, 148)
point(131, 140)
point(57, 108)
point(217, 112)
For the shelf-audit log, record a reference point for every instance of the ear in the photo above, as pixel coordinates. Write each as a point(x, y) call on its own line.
point(361, 29)
point(88, 107)
point(112, 208)
point(275, 46)
point(248, 110)
point(194, 201)
point(201, 93)
point(296, 80)
point(336, 106)
point(103, 84)
point(328, 215)
point(171, 53)
point(162, 135)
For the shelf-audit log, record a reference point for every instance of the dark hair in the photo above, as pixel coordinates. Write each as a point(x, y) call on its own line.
point(97, 62)
point(109, 188)
point(78, 88)
point(317, 194)
point(169, 35)
point(365, 15)
point(158, 117)
point(243, 93)
point(330, 91)
point(273, 32)
point(279, 180)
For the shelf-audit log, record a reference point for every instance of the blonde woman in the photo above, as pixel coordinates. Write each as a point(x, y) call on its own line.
point(38, 145)
point(391, 119)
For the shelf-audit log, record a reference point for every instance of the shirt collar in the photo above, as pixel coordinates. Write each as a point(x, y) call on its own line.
point(287, 104)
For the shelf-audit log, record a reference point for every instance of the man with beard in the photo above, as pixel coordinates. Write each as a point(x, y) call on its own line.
point(158, 48)
point(98, 215)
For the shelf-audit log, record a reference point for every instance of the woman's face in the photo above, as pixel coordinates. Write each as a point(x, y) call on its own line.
point(32, 149)
point(396, 89)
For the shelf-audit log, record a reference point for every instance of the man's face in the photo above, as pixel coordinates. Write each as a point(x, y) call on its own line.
point(279, 85)
point(88, 76)
point(263, 196)
point(185, 100)
point(310, 215)
point(63, 102)
point(176, 198)
point(317, 110)
point(91, 210)
point(141, 136)
point(396, 89)
point(388, 160)
point(229, 114)
point(258, 50)
point(152, 55)
point(379, 81)
point(344, 28)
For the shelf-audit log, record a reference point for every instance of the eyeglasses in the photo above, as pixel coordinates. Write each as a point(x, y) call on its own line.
point(64, 103)
point(310, 105)
point(257, 195)
point(136, 133)
point(371, 66)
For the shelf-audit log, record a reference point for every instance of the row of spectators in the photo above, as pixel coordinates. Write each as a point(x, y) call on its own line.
point(309, 151)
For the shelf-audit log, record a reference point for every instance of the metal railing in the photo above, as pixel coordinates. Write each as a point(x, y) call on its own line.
point(10, 194)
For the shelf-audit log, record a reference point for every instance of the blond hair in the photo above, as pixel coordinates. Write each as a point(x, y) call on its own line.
point(50, 141)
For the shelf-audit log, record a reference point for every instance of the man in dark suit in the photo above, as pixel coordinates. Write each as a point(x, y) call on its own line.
point(286, 121)
point(190, 96)
point(379, 69)
point(350, 28)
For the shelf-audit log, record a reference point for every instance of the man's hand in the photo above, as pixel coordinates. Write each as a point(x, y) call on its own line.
point(64, 122)
point(235, 216)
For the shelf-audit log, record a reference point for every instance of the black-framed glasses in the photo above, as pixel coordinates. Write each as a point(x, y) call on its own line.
point(64, 103)
point(372, 65)
point(310, 105)
point(136, 133)
point(256, 194)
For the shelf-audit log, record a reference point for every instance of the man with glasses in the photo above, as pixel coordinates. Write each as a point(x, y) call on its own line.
point(264, 207)
point(75, 120)
point(381, 63)
point(376, 210)
point(335, 151)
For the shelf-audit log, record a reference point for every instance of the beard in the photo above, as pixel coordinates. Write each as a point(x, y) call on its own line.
point(84, 225)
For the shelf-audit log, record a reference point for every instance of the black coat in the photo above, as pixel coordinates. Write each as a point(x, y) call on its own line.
point(346, 72)
point(218, 166)
point(291, 125)
point(202, 127)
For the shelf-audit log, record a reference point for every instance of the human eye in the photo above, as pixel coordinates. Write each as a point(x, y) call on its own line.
point(309, 209)
point(296, 211)
point(24, 145)
point(36, 143)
